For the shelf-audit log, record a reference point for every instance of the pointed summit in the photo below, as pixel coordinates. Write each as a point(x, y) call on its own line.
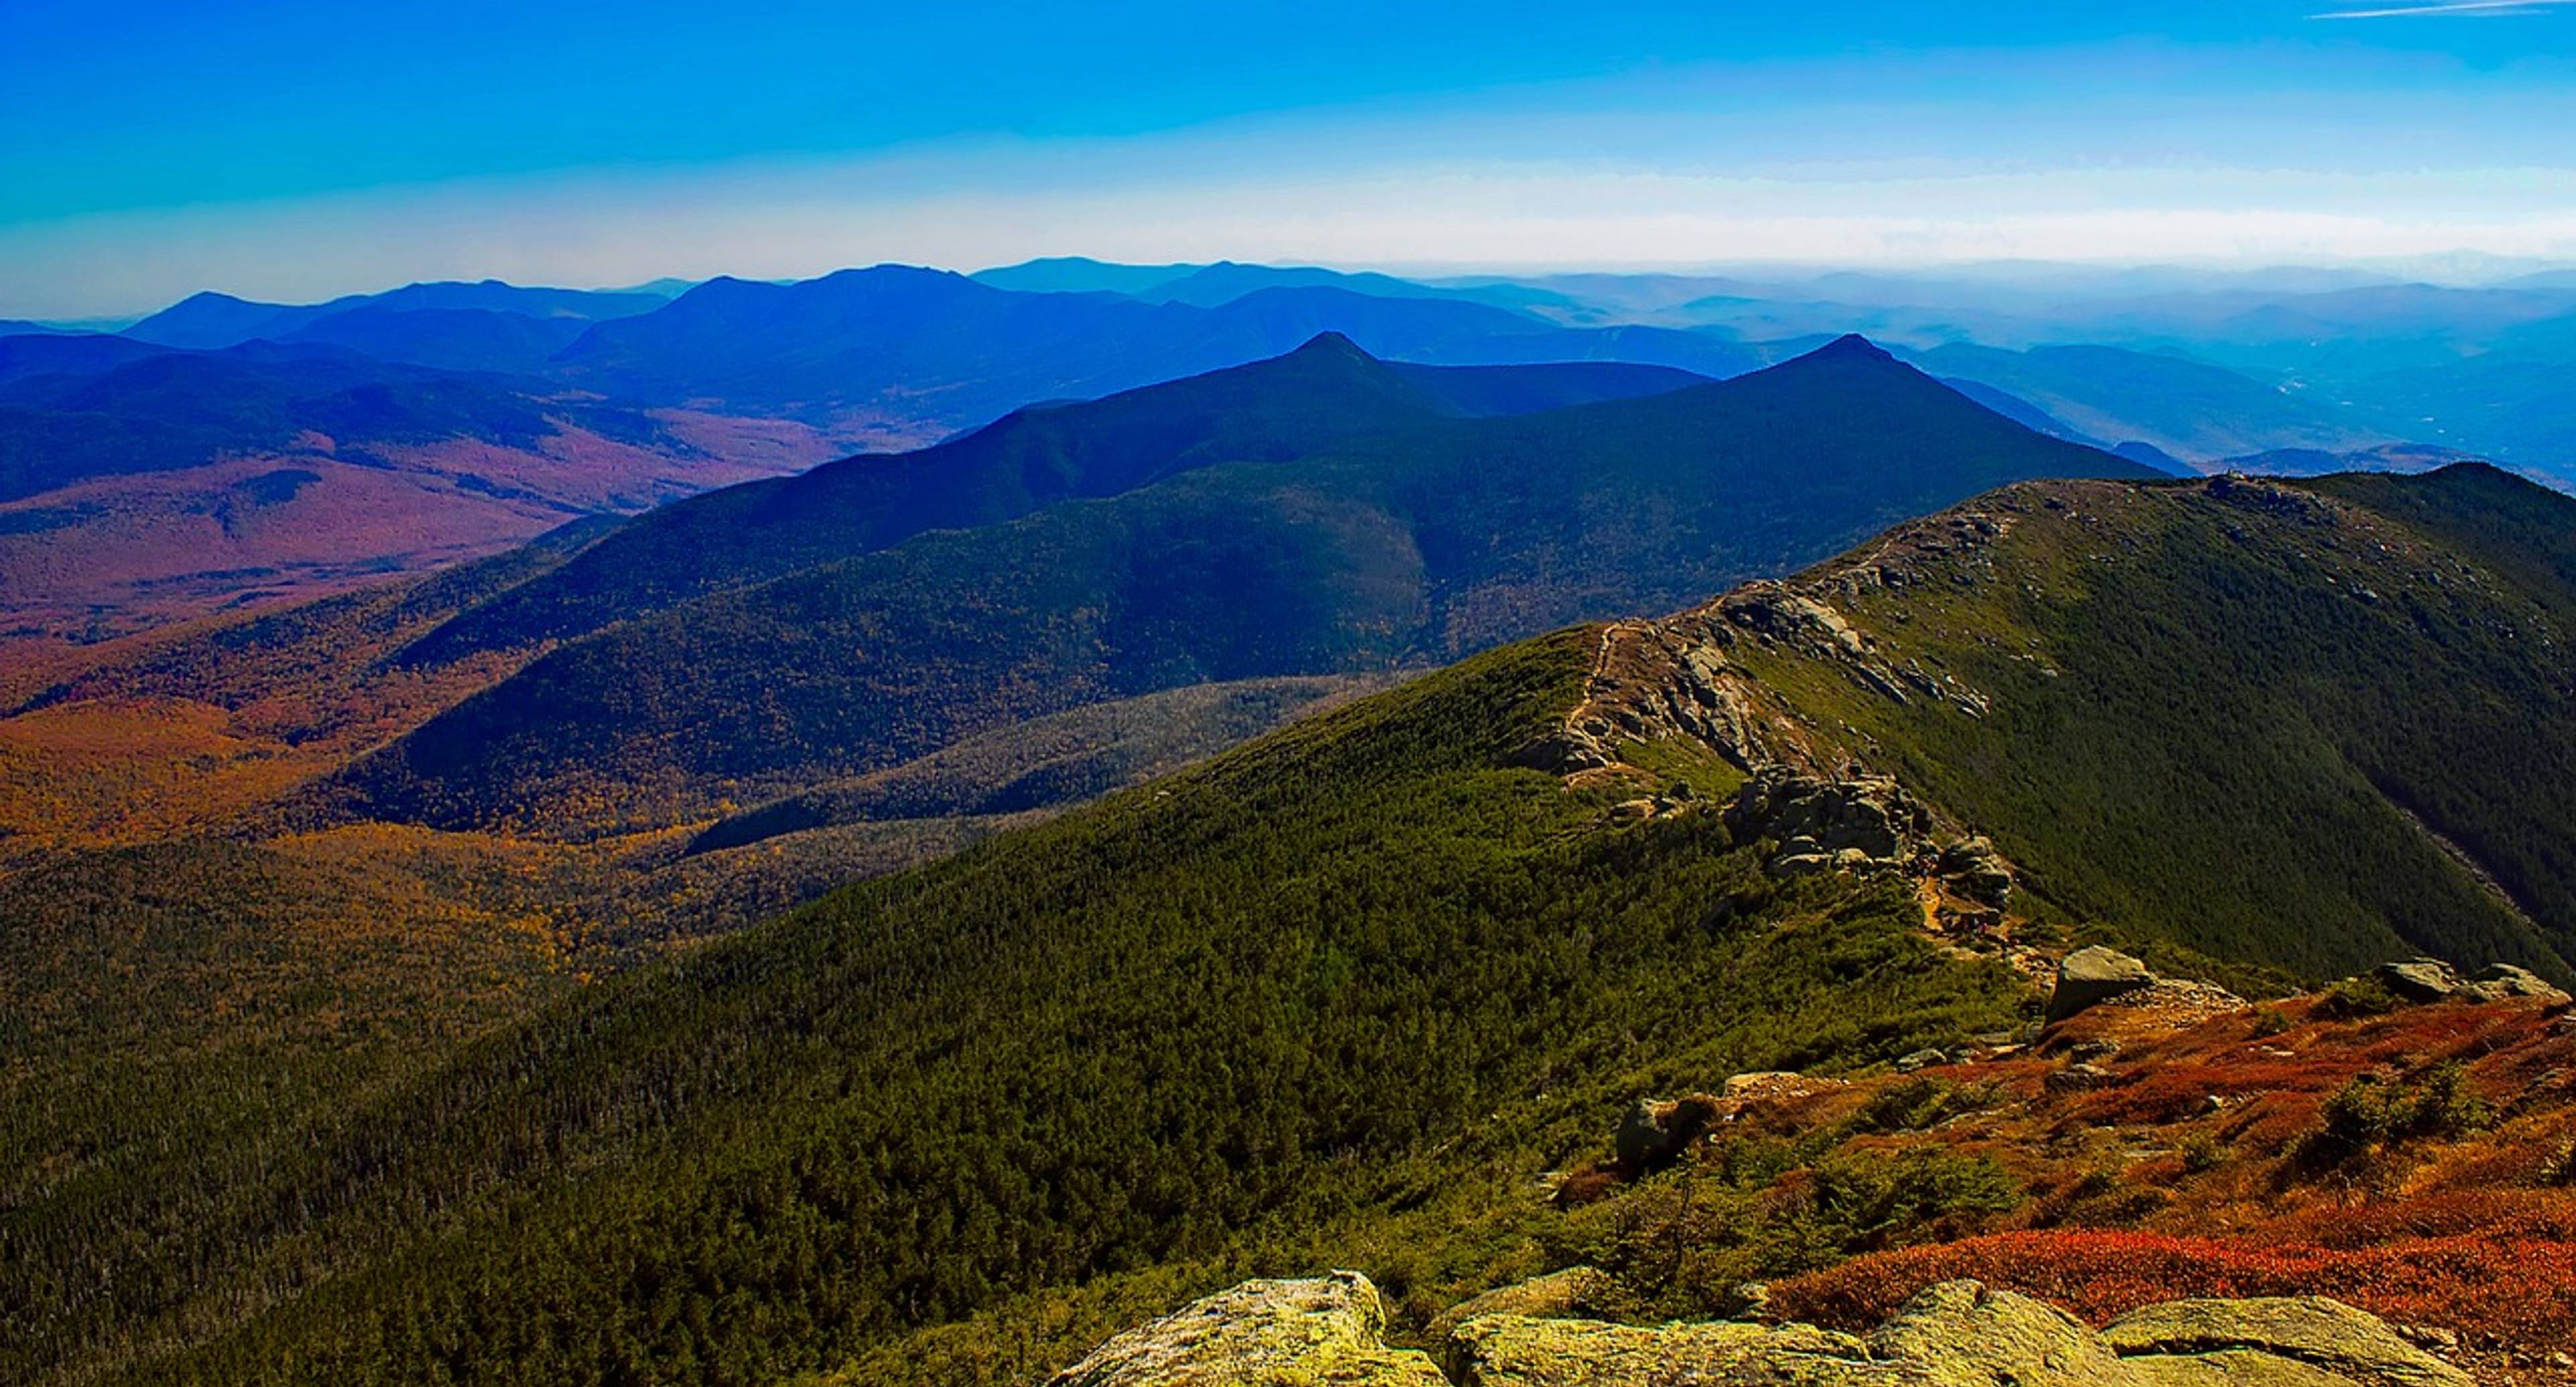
point(1329, 343)
point(1851, 346)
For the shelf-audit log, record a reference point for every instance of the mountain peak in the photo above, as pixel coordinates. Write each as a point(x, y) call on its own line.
point(1851, 346)
point(1330, 343)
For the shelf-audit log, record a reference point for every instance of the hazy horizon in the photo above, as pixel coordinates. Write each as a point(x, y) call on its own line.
point(303, 152)
point(2071, 281)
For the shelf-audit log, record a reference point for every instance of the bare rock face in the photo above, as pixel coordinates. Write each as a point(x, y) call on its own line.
point(1313, 1333)
point(2230, 1368)
point(1957, 1334)
point(2498, 981)
point(1972, 869)
point(2326, 1335)
point(2091, 976)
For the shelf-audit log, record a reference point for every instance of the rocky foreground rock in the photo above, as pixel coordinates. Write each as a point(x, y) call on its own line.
point(1262, 1334)
point(1328, 1332)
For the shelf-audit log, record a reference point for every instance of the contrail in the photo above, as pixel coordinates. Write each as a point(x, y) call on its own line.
point(2491, 9)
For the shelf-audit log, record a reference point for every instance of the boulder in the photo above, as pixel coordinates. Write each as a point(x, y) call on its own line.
point(2079, 1078)
point(1965, 1335)
point(1958, 1334)
point(2312, 1330)
point(1520, 1351)
point(1262, 1334)
point(2420, 979)
point(2229, 1368)
point(1326, 1333)
point(1555, 1296)
point(2091, 976)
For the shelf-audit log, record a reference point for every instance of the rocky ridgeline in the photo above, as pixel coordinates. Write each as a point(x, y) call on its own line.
point(1331, 1330)
point(1677, 680)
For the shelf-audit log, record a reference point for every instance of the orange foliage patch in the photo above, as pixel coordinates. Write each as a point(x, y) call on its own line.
point(2499, 1286)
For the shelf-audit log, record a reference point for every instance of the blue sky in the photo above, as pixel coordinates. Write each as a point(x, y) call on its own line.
point(295, 149)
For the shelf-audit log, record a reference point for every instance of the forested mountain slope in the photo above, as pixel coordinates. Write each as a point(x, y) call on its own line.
point(1269, 410)
point(1394, 549)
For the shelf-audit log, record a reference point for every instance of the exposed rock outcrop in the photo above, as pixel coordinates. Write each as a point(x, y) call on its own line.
point(1558, 1295)
point(2323, 1334)
point(1956, 1334)
point(1519, 1351)
point(2498, 981)
point(2420, 980)
point(1262, 1334)
point(1959, 1332)
point(1973, 870)
point(1860, 823)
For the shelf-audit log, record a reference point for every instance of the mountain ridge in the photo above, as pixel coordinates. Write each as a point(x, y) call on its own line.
point(1038, 455)
point(1419, 545)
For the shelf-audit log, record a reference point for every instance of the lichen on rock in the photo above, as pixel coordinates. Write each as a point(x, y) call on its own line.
point(1964, 1335)
point(2314, 1330)
point(1323, 1332)
point(1327, 1333)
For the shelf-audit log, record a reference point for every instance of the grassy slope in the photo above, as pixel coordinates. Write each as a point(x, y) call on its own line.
point(2210, 704)
point(1196, 1022)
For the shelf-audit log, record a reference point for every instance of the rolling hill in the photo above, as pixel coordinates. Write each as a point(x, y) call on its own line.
point(1364, 992)
point(1382, 551)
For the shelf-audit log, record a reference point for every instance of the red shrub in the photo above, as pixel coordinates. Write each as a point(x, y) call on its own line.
point(2516, 1290)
